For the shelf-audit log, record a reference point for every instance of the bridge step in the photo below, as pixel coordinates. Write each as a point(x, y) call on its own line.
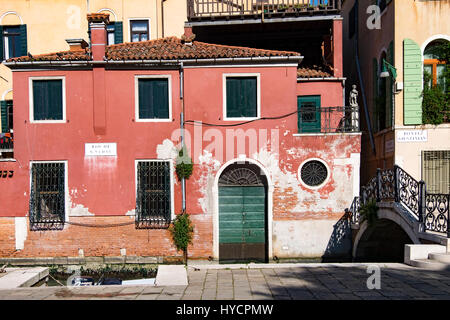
point(440, 257)
point(430, 264)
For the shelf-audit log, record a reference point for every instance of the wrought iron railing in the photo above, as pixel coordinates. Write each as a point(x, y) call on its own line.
point(432, 210)
point(226, 9)
point(6, 142)
point(313, 119)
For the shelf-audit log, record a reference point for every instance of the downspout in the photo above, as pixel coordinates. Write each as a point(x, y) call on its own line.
point(366, 110)
point(183, 181)
point(162, 18)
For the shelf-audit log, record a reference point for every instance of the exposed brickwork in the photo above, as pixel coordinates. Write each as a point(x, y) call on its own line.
point(104, 241)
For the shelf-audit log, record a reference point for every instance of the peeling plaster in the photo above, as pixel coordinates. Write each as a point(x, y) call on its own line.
point(166, 150)
point(206, 181)
point(79, 211)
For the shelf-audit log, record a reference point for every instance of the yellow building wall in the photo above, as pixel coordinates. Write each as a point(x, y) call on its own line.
point(50, 22)
point(421, 21)
point(418, 21)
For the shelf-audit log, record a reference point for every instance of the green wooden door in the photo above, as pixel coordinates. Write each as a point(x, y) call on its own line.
point(309, 119)
point(242, 223)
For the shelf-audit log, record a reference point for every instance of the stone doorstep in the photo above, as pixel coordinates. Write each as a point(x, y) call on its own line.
point(23, 277)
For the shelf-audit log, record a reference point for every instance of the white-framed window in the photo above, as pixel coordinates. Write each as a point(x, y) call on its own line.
point(139, 29)
point(153, 98)
point(48, 195)
point(47, 99)
point(154, 192)
point(313, 173)
point(241, 96)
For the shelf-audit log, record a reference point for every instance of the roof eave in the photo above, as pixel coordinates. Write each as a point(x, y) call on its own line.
point(73, 63)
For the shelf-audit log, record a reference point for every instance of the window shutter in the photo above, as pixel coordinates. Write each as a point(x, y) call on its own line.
point(412, 78)
point(118, 32)
point(1, 44)
point(232, 98)
point(4, 116)
point(153, 99)
point(23, 40)
point(55, 98)
point(249, 98)
point(375, 95)
point(161, 99)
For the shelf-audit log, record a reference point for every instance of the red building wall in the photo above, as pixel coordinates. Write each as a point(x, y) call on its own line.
point(102, 190)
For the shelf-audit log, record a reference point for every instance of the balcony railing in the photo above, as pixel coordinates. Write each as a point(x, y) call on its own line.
point(6, 142)
point(240, 9)
point(313, 119)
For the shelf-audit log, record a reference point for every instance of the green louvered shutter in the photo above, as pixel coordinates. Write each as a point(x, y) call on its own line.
point(47, 100)
point(375, 95)
point(1, 44)
point(153, 99)
point(118, 32)
point(241, 97)
point(4, 115)
point(412, 79)
point(23, 40)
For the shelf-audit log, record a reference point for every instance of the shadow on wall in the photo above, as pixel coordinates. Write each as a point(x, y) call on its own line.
point(383, 242)
point(339, 248)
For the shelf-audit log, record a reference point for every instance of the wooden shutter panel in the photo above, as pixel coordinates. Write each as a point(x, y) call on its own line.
point(248, 93)
point(232, 98)
point(161, 98)
point(1, 44)
point(118, 32)
point(4, 115)
point(23, 40)
point(412, 78)
point(55, 99)
point(145, 97)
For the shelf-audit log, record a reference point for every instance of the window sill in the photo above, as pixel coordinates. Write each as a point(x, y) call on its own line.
point(319, 134)
point(8, 160)
point(154, 120)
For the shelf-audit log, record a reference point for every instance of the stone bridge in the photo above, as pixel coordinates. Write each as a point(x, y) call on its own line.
point(411, 225)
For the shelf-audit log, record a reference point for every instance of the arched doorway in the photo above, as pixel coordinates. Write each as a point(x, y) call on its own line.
point(383, 242)
point(242, 214)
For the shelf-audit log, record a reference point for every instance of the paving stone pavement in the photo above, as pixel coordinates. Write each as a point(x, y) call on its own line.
point(295, 282)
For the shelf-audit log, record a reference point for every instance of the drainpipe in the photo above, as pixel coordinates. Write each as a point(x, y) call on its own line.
point(162, 18)
point(358, 68)
point(183, 181)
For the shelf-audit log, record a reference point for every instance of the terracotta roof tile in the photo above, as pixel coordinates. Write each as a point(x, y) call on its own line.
point(170, 48)
point(314, 72)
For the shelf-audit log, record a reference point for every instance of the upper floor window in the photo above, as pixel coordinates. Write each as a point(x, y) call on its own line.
point(139, 30)
point(13, 41)
point(115, 32)
point(309, 115)
point(47, 99)
point(241, 96)
point(153, 101)
point(435, 64)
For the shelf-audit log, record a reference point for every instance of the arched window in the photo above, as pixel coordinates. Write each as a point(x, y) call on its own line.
point(435, 64)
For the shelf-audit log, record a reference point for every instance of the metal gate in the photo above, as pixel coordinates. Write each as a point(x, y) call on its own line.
point(242, 216)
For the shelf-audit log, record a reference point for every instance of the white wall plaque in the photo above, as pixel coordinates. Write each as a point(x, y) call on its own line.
point(100, 149)
point(412, 136)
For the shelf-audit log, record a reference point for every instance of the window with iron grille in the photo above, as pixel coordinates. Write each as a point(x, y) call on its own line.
point(436, 171)
point(153, 198)
point(47, 196)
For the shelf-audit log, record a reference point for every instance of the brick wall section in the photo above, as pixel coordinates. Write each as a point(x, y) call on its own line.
point(7, 238)
point(104, 241)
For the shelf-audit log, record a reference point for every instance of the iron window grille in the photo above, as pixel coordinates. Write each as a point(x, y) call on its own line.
point(313, 173)
point(436, 170)
point(47, 198)
point(153, 196)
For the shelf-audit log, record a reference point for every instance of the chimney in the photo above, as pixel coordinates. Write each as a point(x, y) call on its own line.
point(77, 44)
point(97, 25)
